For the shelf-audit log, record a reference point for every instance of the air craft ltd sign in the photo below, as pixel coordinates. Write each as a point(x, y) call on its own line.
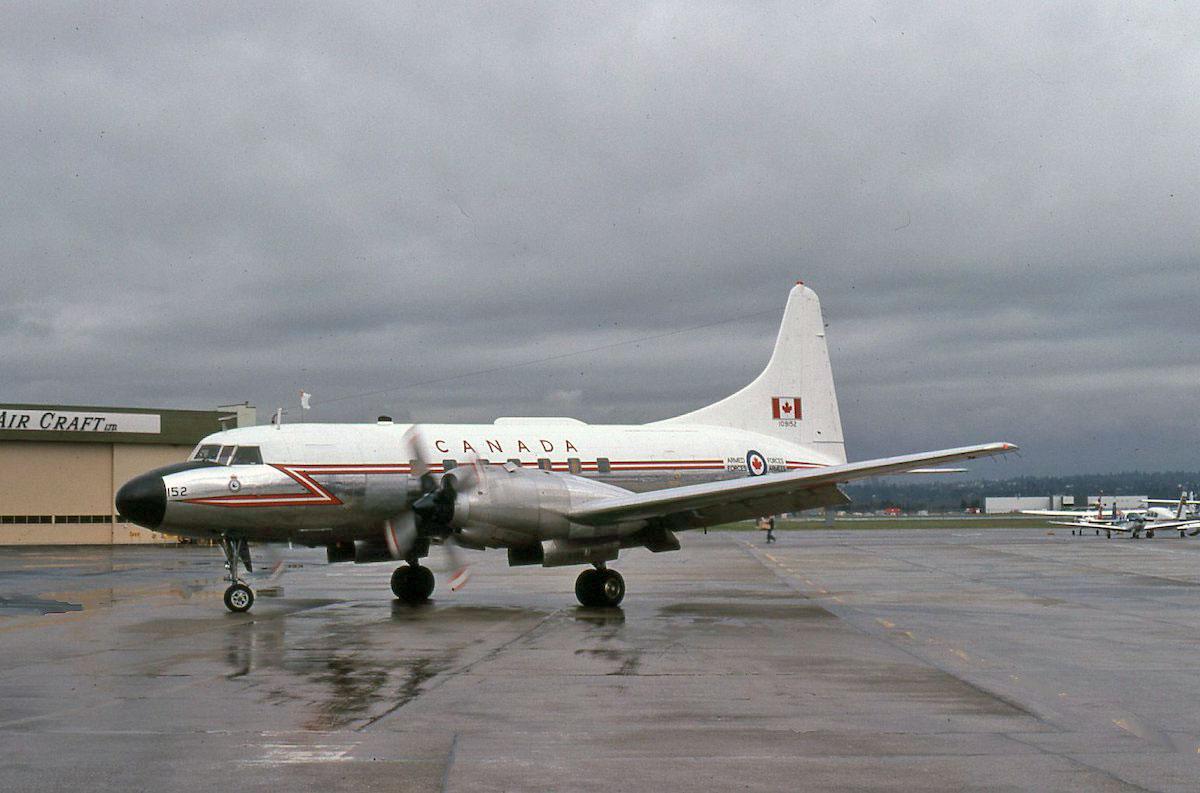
point(40, 420)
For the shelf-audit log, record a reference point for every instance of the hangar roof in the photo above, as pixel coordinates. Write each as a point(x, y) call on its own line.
point(93, 424)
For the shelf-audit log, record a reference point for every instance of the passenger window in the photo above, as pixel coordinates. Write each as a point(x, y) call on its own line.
point(247, 455)
point(207, 452)
point(544, 463)
point(515, 460)
point(573, 465)
point(602, 465)
point(448, 465)
point(224, 455)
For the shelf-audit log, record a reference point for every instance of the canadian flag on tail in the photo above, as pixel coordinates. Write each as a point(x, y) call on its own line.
point(785, 407)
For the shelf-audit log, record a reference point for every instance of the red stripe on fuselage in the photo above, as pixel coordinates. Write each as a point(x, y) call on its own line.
point(316, 495)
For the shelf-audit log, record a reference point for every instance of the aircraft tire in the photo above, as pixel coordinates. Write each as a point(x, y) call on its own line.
point(423, 582)
point(412, 583)
point(1150, 534)
point(400, 581)
point(611, 589)
point(587, 587)
point(239, 598)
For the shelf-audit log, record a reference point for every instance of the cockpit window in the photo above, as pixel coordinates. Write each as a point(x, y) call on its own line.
point(247, 455)
point(206, 452)
point(224, 455)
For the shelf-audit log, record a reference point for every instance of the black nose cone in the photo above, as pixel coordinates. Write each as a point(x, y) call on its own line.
point(143, 500)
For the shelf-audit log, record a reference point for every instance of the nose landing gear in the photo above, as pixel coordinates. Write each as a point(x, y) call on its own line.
point(600, 587)
point(238, 597)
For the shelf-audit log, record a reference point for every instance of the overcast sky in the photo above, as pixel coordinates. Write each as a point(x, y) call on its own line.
point(998, 203)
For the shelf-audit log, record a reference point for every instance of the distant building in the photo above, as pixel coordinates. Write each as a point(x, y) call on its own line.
point(999, 505)
point(1121, 502)
point(61, 465)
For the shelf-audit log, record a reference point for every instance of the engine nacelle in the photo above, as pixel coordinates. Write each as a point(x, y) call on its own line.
point(366, 552)
point(533, 503)
point(564, 552)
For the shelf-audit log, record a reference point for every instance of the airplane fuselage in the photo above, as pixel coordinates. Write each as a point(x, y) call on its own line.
point(322, 483)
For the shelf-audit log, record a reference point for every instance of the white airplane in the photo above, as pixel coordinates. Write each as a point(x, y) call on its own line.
point(1139, 522)
point(1185, 506)
point(550, 491)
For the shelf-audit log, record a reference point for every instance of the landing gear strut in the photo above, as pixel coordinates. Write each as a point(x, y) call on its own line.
point(238, 597)
point(600, 587)
point(412, 583)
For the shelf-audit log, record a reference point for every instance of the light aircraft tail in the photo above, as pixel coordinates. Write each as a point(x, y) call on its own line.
point(794, 397)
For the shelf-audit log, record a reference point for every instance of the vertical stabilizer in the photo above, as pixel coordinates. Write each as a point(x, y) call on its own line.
point(794, 398)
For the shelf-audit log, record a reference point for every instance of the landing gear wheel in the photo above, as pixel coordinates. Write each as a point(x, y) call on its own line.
point(412, 583)
point(1150, 534)
point(612, 588)
point(239, 598)
point(586, 587)
point(600, 588)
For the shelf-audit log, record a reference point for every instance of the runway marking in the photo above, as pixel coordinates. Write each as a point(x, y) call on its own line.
point(449, 763)
point(885, 623)
point(288, 753)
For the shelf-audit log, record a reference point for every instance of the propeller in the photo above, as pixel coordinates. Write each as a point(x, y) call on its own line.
point(430, 514)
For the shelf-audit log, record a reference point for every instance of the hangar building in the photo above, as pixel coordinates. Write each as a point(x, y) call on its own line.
point(61, 465)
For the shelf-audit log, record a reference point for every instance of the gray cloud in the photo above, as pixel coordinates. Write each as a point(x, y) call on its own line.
point(998, 206)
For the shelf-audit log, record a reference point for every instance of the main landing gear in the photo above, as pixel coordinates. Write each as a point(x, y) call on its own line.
point(412, 583)
point(238, 597)
point(600, 587)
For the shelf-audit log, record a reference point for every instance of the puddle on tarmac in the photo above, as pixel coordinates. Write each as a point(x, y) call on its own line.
point(752, 610)
point(28, 604)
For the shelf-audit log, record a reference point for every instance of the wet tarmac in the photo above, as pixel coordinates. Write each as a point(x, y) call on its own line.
point(941, 660)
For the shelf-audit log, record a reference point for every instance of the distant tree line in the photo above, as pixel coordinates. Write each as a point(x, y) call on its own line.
point(937, 493)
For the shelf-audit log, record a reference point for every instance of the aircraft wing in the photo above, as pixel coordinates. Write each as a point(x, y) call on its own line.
point(1091, 524)
point(1172, 525)
point(693, 506)
point(1059, 513)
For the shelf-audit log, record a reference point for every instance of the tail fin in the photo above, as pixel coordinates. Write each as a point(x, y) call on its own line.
point(793, 399)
